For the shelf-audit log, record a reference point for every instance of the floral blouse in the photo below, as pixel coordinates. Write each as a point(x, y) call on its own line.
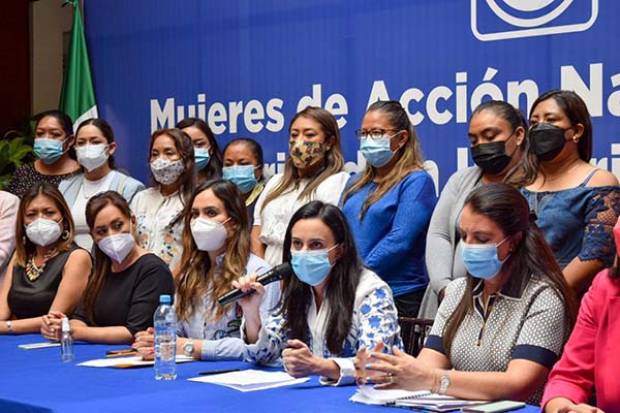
point(155, 215)
point(374, 320)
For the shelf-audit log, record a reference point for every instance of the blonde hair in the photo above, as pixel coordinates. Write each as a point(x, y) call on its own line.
point(409, 156)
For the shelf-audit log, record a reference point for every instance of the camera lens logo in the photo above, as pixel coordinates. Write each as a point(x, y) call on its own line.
point(509, 19)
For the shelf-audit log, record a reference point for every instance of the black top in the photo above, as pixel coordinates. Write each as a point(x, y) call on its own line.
point(129, 298)
point(28, 299)
point(26, 177)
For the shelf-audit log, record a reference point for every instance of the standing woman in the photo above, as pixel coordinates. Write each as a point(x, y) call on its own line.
point(159, 209)
point(389, 205)
point(216, 237)
point(243, 165)
point(124, 291)
point(95, 147)
point(207, 156)
point(314, 171)
point(48, 272)
point(576, 203)
point(53, 139)
point(329, 309)
point(497, 134)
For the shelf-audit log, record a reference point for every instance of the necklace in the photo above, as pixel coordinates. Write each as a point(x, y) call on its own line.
point(33, 272)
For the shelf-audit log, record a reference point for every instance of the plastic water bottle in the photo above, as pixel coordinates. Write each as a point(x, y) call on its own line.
point(165, 321)
point(66, 342)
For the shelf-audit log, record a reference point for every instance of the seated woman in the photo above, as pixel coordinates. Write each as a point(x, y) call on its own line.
point(48, 272)
point(498, 330)
point(590, 364)
point(124, 291)
point(243, 165)
point(95, 147)
point(332, 307)
point(217, 251)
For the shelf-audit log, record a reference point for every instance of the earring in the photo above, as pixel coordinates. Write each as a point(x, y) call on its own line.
point(65, 235)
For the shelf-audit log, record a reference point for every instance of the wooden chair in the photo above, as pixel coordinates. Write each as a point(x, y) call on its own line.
point(413, 331)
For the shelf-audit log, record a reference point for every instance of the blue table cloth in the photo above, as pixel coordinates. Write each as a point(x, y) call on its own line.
point(38, 381)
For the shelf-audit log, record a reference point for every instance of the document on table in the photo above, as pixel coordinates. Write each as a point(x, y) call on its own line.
point(251, 380)
point(127, 362)
point(34, 346)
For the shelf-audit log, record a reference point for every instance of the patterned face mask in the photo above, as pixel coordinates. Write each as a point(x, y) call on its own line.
point(167, 172)
point(305, 154)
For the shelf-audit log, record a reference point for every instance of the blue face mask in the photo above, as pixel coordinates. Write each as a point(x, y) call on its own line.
point(48, 150)
point(481, 260)
point(201, 158)
point(240, 175)
point(376, 151)
point(311, 267)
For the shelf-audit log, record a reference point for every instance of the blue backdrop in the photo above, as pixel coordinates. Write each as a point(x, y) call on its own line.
point(248, 65)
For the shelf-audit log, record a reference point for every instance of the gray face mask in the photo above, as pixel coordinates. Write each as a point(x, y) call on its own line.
point(167, 172)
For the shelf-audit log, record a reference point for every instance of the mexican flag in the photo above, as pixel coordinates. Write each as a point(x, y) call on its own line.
point(78, 93)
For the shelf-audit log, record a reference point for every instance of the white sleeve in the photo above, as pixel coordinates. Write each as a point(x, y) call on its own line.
point(330, 190)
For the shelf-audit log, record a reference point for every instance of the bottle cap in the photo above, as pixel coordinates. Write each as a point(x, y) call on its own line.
point(165, 299)
point(65, 325)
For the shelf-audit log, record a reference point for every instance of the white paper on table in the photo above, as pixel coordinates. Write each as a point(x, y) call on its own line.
point(130, 361)
point(34, 346)
point(370, 395)
point(251, 380)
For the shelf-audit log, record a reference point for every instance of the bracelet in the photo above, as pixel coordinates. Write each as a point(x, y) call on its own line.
point(9, 326)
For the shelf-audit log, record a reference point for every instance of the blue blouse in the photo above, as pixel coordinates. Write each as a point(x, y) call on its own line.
point(391, 238)
point(578, 222)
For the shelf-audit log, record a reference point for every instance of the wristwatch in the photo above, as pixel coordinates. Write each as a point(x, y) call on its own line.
point(188, 347)
point(444, 382)
point(9, 326)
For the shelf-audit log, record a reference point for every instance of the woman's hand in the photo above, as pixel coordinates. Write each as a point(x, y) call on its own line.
point(400, 370)
point(563, 405)
point(362, 375)
point(251, 303)
point(144, 342)
point(51, 326)
point(298, 361)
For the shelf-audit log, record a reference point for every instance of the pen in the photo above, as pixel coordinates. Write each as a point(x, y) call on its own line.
point(210, 372)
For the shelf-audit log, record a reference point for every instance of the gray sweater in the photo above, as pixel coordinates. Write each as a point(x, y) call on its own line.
point(443, 252)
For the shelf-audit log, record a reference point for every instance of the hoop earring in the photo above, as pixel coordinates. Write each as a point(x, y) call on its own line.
point(65, 235)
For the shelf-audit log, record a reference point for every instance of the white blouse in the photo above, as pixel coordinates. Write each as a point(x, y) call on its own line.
point(221, 338)
point(154, 215)
point(274, 218)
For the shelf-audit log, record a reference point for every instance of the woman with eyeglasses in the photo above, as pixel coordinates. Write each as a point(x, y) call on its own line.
point(389, 205)
point(53, 140)
point(243, 165)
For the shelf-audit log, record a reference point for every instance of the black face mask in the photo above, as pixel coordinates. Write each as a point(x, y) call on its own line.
point(491, 157)
point(547, 140)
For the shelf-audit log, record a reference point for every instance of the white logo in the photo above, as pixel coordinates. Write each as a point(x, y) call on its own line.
point(523, 18)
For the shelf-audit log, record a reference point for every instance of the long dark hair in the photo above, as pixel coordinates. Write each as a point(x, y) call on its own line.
point(196, 277)
point(214, 168)
point(332, 163)
point(506, 207)
point(183, 145)
point(102, 261)
point(105, 129)
point(576, 111)
point(341, 285)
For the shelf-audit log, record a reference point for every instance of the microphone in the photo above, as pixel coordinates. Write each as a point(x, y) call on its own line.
point(275, 274)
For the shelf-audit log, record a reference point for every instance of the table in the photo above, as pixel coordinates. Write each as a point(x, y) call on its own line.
point(38, 381)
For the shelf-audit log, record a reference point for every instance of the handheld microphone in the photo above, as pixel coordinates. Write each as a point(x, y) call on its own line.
point(275, 274)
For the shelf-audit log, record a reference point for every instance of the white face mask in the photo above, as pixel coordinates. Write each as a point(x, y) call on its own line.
point(117, 246)
point(93, 156)
point(43, 232)
point(209, 235)
point(167, 172)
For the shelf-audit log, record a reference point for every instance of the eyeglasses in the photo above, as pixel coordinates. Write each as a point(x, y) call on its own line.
point(373, 133)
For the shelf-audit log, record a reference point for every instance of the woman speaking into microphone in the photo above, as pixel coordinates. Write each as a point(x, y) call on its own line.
point(329, 309)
